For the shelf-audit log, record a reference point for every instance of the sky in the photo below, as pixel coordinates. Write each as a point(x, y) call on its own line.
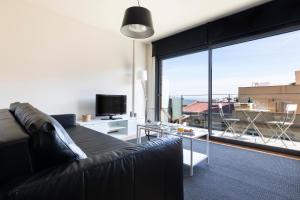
point(274, 59)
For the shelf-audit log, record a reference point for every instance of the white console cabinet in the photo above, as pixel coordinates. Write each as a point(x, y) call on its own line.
point(119, 128)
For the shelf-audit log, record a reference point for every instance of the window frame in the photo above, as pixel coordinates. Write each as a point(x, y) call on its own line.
point(210, 48)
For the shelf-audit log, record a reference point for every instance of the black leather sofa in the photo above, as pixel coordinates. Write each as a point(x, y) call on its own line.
point(113, 169)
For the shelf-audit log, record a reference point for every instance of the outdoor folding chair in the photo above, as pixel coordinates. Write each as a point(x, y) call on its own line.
point(229, 122)
point(282, 126)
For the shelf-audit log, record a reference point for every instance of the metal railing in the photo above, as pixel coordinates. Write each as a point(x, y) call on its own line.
point(199, 116)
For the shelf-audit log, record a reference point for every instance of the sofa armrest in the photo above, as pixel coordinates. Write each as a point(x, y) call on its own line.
point(151, 171)
point(159, 170)
point(66, 120)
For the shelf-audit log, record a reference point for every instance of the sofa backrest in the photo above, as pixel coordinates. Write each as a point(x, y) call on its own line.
point(15, 157)
point(50, 145)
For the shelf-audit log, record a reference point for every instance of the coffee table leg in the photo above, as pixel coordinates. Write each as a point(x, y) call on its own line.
point(137, 134)
point(139, 139)
point(191, 167)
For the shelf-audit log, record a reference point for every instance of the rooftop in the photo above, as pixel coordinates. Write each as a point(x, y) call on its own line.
point(198, 106)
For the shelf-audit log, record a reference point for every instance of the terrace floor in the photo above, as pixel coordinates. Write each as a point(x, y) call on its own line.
point(295, 145)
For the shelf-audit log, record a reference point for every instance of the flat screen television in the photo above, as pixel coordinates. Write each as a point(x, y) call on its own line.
point(110, 105)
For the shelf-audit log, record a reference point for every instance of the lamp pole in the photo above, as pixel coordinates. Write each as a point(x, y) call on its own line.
point(132, 113)
point(144, 84)
point(142, 75)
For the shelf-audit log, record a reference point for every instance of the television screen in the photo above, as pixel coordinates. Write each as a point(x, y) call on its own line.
point(108, 105)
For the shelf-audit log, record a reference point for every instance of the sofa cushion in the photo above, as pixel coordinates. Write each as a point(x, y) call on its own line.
point(13, 106)
point(14, 149)
point(49, 142)
point(66, 120)
point(10, 130)
point(95, 143)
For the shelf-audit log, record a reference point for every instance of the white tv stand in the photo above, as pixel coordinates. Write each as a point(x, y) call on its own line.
point(119, 128)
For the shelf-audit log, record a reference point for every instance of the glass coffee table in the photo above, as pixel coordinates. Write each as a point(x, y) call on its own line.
point(190, 157)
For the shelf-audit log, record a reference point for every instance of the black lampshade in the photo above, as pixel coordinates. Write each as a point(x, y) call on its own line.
point(137, 23)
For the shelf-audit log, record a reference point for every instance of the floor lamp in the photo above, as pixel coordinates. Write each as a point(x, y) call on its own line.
point(137, 24)
point(142, 76)
point(132, 113)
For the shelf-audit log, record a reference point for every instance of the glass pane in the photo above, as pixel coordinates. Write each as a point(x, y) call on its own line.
point(184, 89)
point(256, 91)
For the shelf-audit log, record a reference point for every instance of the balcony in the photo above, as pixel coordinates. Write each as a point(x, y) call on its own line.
point(254, 123)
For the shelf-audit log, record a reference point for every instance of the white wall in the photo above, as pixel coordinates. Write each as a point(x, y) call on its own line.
point(58, 64)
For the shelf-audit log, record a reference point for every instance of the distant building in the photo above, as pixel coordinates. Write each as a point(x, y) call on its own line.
point(202, 107)
point(198, 112)
point(274, 97)
point(259, 84)
point(297, 74)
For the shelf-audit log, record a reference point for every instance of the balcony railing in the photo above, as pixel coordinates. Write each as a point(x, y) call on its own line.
point(193, 110)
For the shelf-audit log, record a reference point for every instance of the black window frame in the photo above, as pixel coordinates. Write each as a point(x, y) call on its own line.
point(210, 48)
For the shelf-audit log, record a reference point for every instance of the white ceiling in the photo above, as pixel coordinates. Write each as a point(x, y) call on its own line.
point(169, 16)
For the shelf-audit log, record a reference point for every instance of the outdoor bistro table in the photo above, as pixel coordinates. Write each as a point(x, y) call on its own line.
point(251, 120)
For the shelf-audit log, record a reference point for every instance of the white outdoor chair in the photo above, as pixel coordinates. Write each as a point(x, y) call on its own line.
point(229, 122)
point(282, 126)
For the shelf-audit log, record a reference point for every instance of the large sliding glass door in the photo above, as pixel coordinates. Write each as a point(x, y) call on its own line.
point(255, 91)
point(184, 89)
point(257, 84)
